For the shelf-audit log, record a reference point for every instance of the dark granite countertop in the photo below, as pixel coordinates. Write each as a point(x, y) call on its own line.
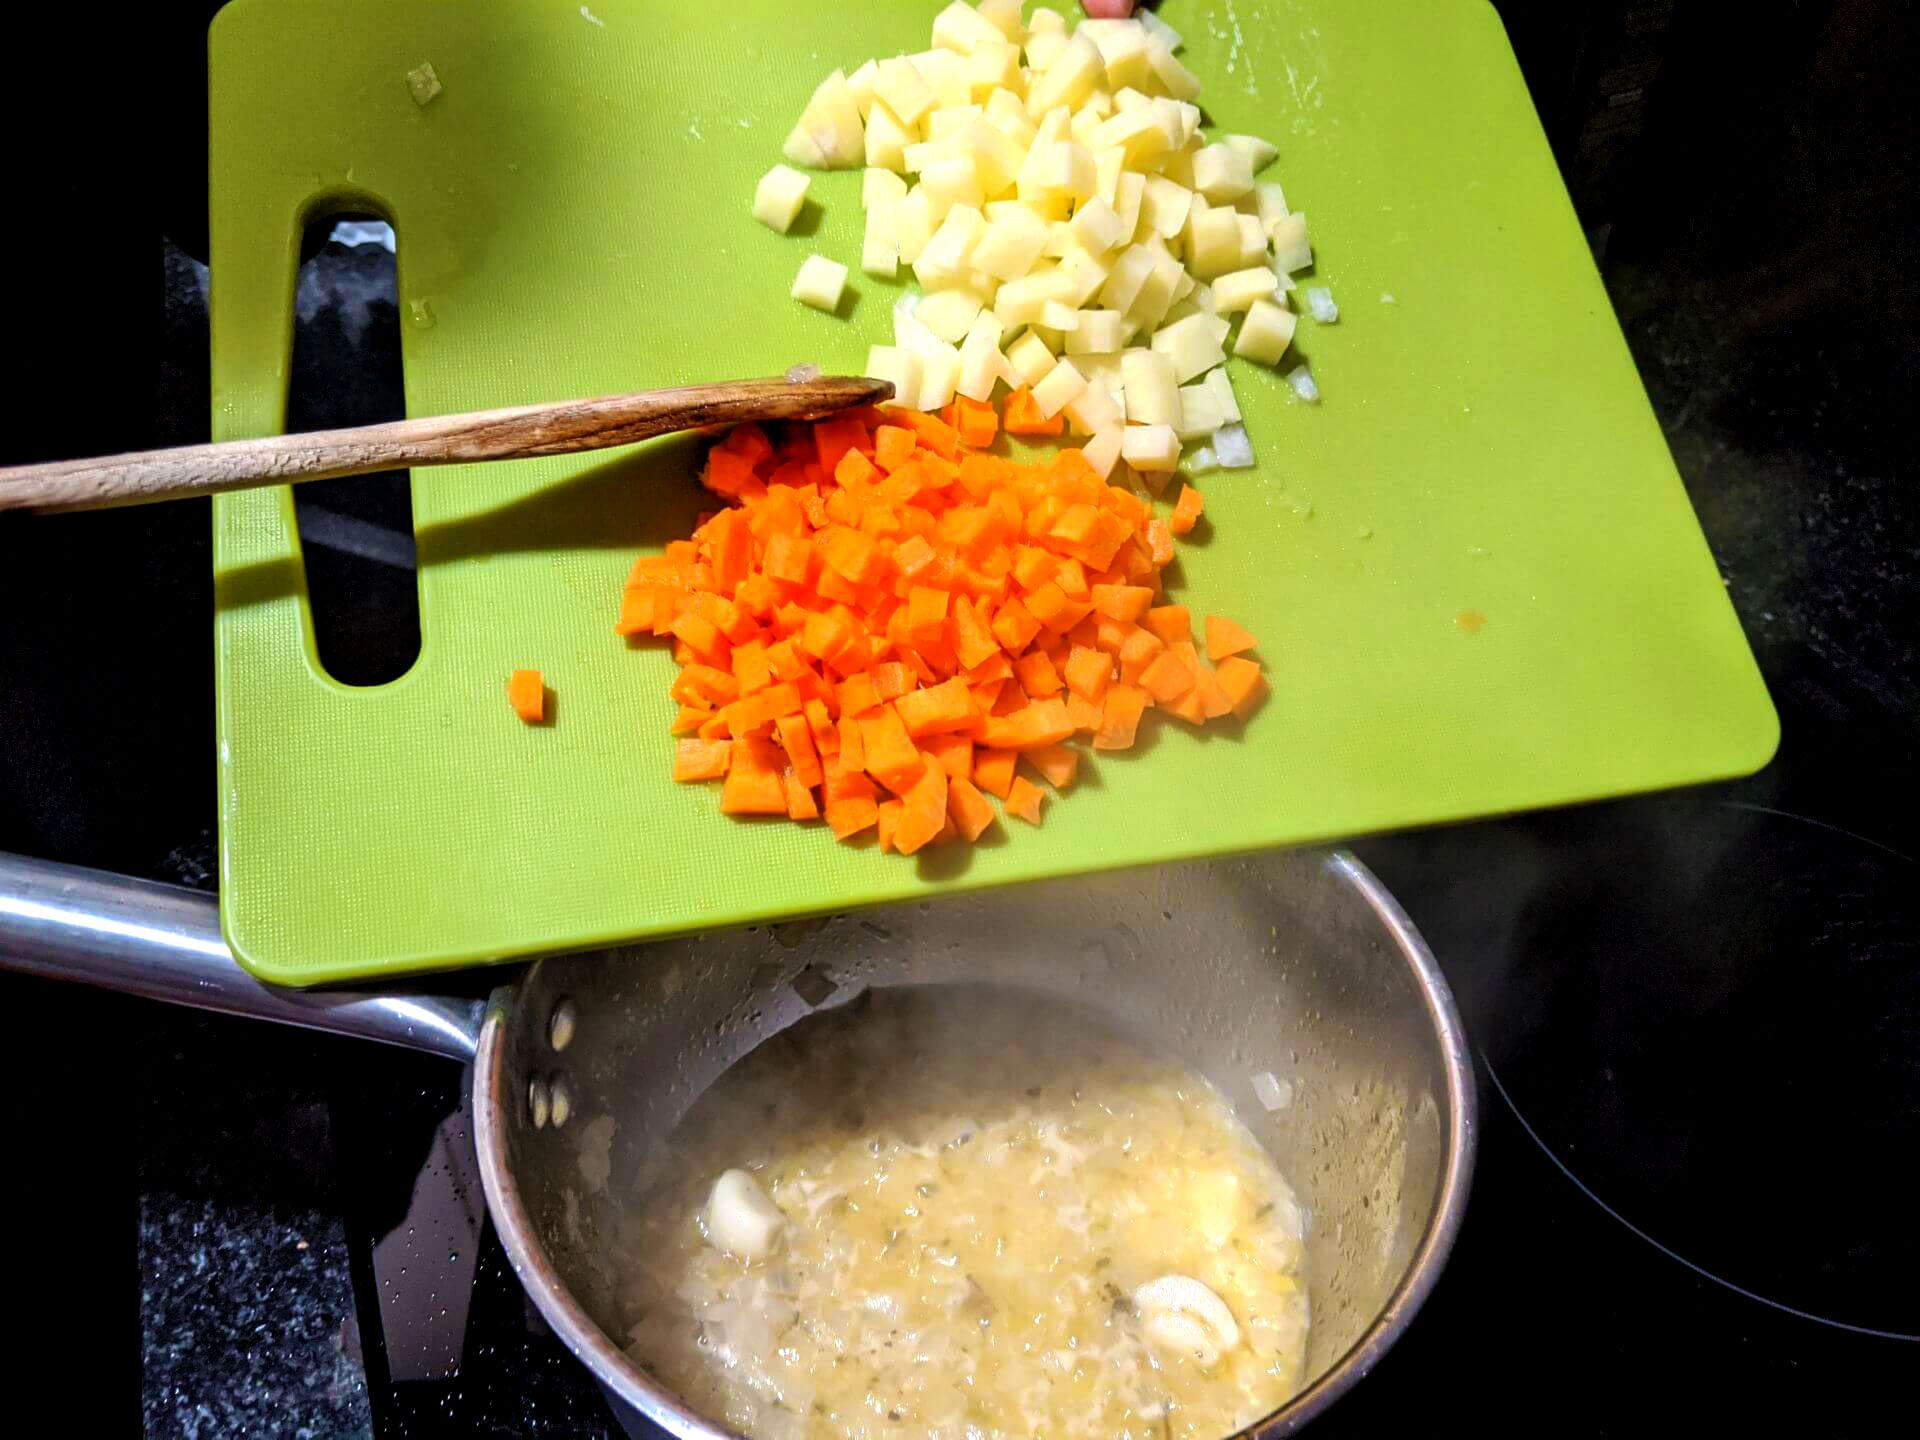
point(1754, 227)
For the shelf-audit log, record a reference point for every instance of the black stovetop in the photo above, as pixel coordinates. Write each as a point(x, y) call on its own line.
point(1698, 1015)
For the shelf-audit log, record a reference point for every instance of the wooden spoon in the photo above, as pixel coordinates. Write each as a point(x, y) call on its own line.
point(511, 434)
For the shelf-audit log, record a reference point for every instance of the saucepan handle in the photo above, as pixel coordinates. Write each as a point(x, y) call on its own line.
point(164, 942)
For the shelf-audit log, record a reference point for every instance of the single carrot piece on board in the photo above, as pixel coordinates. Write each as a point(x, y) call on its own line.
point(1025, 799)
point(1225, 638)
point(527, 693)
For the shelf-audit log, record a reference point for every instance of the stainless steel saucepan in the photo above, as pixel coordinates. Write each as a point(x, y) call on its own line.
point(1293, 963)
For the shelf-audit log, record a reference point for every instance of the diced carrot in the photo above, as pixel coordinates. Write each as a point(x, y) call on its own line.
point(955, 610)
point(1166, 677)
point(701, 759)
point(1243, 683)
point(1120, 717)
point(1186, 510)
point(689, 719)
point(944, 707)
point(1024, 798)
point(1088, 672)
point(1225, 638)
point(848, 802)
point(970, 811)
point(753, 785)
point(892, 757)
point(1170, 623)
point(527, 693)
point(890, 812)
point(797, 740)
point(1037, 676)
point(1022, 416)
point(993, 770)
point(925, 812)
point(1041, 723)
point(952, 753)
point(800, 802)
point(1057, 764)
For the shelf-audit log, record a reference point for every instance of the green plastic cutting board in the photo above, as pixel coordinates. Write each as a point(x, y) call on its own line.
point(573, 219)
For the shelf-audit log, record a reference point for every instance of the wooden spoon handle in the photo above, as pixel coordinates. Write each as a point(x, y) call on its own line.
point(511, 434)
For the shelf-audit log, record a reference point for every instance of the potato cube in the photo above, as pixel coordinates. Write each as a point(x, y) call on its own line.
point(1093, 409)
point(820, 283)
point(1097, 227)
point(1174, 78)
point(1238, 289)
point(887, 138)
point(1164, 206)
point(1126, 277)
point(900, 367)
point(1290, 249)
point(1153, 396)
point(1098, 333)
point(1030, 359)
point(1265, 333)
point(1258, 152)
point(1127, 193)
point(880, 245)
point(912, 225)
point(903, 89)
point(1192, 344)
point(1069, 78)
point(1060, 385)
point(963, 29)
point(1013, 241)
point(1253, 240)
point(1059, 167)
point(778, 197)
point(939, 373)
point(1200, 413)
point(1222, 173)
point(1103, 450)
point(1217, 381)
point(1213, 241)
point(1270, 204)
point(945, 259)
point(1150, 447)
point(948, 313)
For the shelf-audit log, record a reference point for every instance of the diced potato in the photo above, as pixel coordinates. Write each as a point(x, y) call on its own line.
point(1097, 226)
point(1020, 302)
point(1217, 381)
point(1098, 333)
point(1057, 387)
point(1156, 295)
point(1153, 448)
point(778, 197)
point(1270, 204)
point(1138, 134)
point(1238, 289)
point(1192, 344)
point(1253, 239)
point(1126, 203)
point(1153, 395)
point(961, 28)
point(900, 85)
point(887, 138)
point(1123, 51)
point(1030, 359)
point(996, 158)
point(993, 67)
point(1043, 47)
point(802, 149)
point(948, 313)
point(1059, 317)
point(1174, 78)
point(1258, 152)
point(898, 365)
point(1213, 241)
point(1164, 206)
point(1003, 15)
point(1060, 167)
point(860, 83)
point(880, 245)
point(1046, 21)
point(912, 225)
point(952, 181)
point(1200, 412)
point(832, 121)
point(1068, 78)
point(1265, 333)
point(1085, 275)
point(1126, 277)
point(820, 283)
point(1290, 249)
point(944, 260)
point(1093, 409)
point(980, 370)
point(945, 74)
point(878, 186)
point(1222, 173)
point(1013, 241)
point(1103, 450)
point(939, 373)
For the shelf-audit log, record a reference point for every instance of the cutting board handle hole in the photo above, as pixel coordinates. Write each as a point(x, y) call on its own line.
point(356, 534)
